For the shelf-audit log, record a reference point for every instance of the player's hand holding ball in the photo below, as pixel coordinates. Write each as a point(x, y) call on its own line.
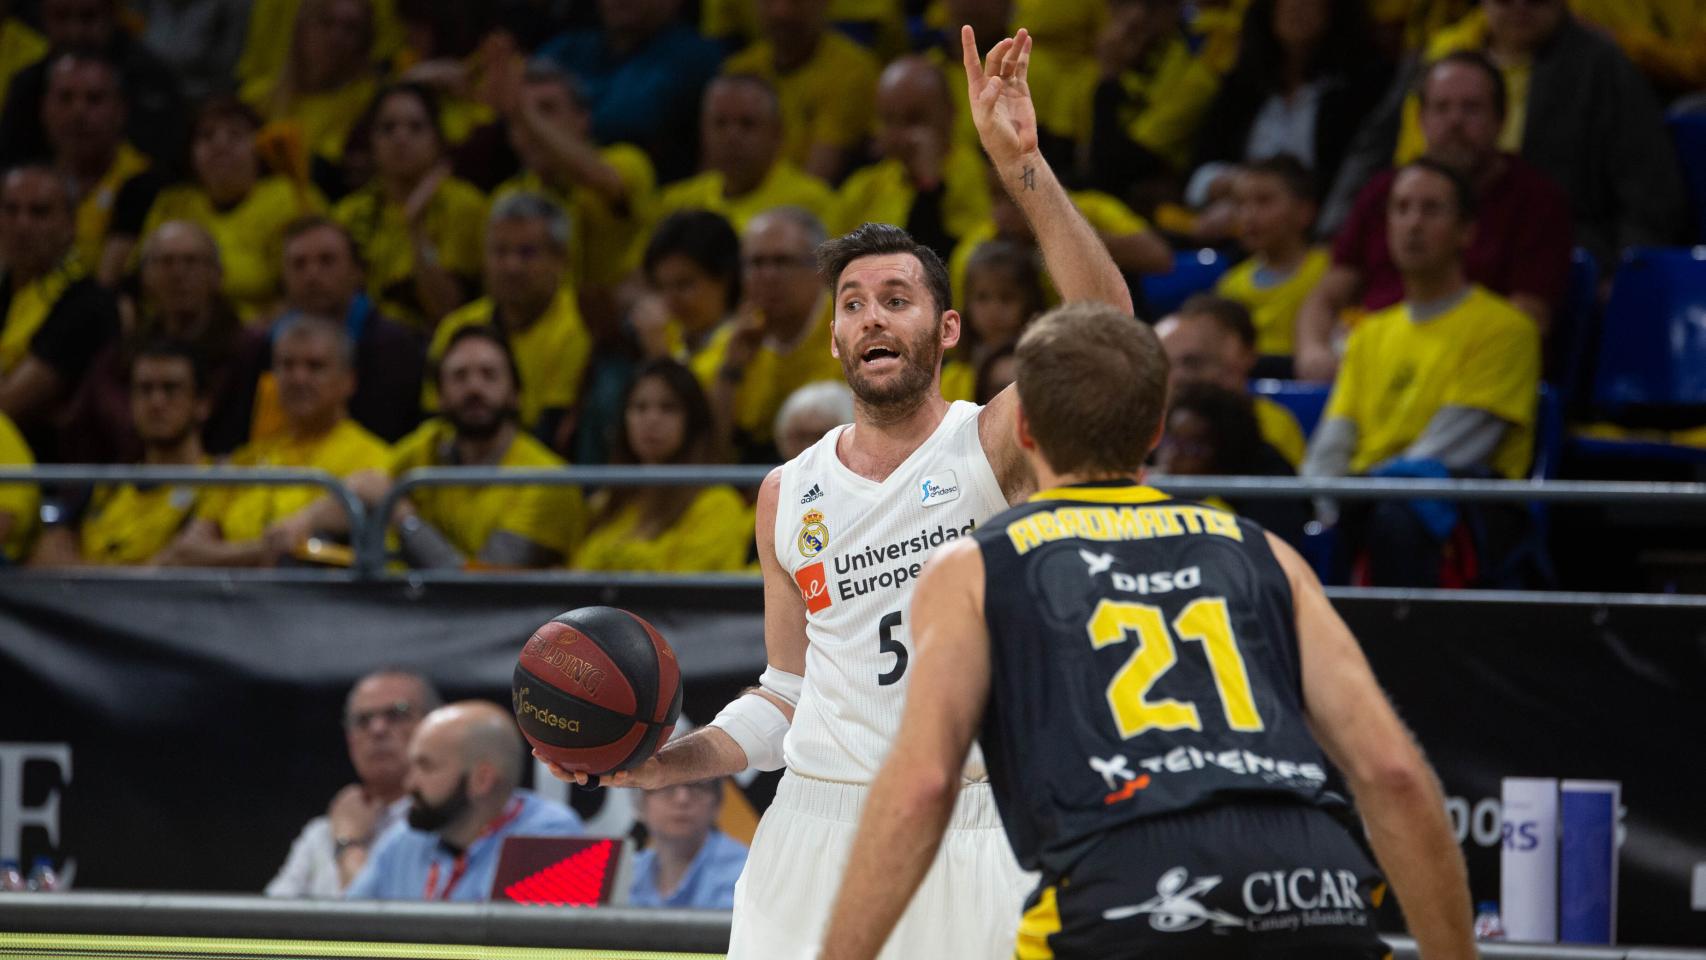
point(596, 692)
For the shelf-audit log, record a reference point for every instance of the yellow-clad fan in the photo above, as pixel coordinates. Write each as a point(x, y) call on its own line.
point(606, 191)
point(1002, 291)
point(18, 501)
point(745, 172)
point(1274, 203)
point(319, 84)
point(824, 81)
point(417, 226)
point(878, 24)
point(133, 524)
point(1211, 339)
point(239, 203)
point(666, 420)
point(778, 341)
point(489, 526)
point(528, 301)
point(255, 526)
point(926, 182)
point(693, 274)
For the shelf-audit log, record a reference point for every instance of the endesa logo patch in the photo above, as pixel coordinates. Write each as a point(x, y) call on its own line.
point(814, 586)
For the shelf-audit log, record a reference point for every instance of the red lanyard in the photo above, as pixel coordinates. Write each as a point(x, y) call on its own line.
point(461, 865)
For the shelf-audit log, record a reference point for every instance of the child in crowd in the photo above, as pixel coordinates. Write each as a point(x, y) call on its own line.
point(1274, 201)
point(1003, 291)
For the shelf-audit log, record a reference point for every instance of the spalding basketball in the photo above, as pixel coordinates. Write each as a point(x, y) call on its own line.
point(596, 690)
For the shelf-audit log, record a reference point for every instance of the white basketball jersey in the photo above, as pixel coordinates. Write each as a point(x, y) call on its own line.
point(855, 547)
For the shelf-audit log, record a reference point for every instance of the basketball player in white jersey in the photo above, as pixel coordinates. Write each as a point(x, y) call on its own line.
point(843, 530)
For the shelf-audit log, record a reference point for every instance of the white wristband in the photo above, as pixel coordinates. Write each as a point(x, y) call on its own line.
point(758, 726)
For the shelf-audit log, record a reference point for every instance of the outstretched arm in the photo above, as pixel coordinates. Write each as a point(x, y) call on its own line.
point(914, 793)
point(1006, 121)
point(710, 751)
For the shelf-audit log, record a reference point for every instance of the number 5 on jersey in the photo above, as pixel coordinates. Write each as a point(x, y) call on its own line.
point(1205, 620)
point(886, 643)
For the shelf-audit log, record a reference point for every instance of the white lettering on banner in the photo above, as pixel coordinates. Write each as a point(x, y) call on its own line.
point(1301, 889)
point(15, 817)
point(1241, 762)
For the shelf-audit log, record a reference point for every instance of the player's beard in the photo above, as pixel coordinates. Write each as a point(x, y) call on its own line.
point(430, 817)
point(903, 391)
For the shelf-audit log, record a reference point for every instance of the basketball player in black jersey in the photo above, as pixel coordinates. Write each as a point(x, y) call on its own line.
point(1157, 687)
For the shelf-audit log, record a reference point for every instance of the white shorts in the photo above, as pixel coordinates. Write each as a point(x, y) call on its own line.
point(967, 907)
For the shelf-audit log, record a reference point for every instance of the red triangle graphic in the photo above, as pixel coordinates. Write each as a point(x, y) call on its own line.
point(574, 881)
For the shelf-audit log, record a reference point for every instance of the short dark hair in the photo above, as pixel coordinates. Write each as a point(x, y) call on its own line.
point(478, 331)
point(1468, 58)
point(172, 348)
point(1299, 181)
point(426, 96)
point(1228, 314)
point(1461, 189)
point(878, 239)
point(705, 238)
point(1017, 261)
point(314, 221)
point(1092, 380)
point(1231, 418)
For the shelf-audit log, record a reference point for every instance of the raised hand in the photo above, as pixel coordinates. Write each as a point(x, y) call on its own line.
point(1001, 105)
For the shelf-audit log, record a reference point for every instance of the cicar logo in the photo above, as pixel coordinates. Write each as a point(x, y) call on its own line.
point(814, 586)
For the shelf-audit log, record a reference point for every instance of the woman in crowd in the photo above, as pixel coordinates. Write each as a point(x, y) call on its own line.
point(237, 200)
point(666, 420)
point(1212, 431)
point(420, 229)
point(692, 271)
point(1003, 291)
point(327, 79)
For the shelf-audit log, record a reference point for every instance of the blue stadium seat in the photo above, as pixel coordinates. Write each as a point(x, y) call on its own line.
point(1574, 331)
point(1305, 400)
point(1688, 132)
point(1194, 271)
point(1652, 343)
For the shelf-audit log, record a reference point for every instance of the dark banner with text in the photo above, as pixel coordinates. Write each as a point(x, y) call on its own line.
point(175, 735)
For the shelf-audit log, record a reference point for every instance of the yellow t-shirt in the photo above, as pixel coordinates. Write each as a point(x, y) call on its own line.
point(455, 224)
point(737, 20)
point(551, 354)
point(20, 500)
point(605, 242)
point(1171, 89)
point(773, 373)
point(127, 526)
point(272, 25)
point(1482, 353)
point(250, 235)
point(1665, 38)
point(1063, 53)
point(786, 185)
point(829, 100)
point(29, 308)
point(712, 536)
point(325, 119)
point(244, 513)
point(953, 72)
point(95, 211)
point(553, 517)
point(19, 47)
point(883, 193)
point(1470, 33)
point(1107, 214)
point(1274, 308)
point(1281, 430)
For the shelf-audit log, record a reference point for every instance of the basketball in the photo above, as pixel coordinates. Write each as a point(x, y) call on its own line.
point(596, 690)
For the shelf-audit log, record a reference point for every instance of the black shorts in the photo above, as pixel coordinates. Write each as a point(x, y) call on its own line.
point(1272, 881)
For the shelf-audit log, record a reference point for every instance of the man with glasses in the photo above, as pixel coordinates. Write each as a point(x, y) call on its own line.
point(779, 339)
point(380, 715)
point(687, 863)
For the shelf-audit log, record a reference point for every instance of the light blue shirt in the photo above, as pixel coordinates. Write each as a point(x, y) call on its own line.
point(708, 884)
point(403, 860)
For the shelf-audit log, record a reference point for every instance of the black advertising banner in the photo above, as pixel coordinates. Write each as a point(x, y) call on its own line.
point(175, 735)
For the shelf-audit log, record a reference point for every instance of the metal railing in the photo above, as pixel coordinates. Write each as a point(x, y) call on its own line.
point(190, 916)
point(368, 527)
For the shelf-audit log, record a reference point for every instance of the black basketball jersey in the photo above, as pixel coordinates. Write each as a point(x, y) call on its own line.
point(1144, 662)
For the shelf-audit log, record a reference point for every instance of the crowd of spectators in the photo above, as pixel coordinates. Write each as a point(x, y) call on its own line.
point(373, 235)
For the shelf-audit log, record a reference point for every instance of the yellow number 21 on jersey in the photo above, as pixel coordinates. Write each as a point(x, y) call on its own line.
point(1205, 620)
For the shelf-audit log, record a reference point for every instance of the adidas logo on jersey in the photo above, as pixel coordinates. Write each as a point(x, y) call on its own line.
point(815, 493)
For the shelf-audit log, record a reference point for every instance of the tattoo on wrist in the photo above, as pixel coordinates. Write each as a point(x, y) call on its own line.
point(1029, 178)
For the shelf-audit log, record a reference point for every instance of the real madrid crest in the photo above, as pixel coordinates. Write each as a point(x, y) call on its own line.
point(814, 536)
